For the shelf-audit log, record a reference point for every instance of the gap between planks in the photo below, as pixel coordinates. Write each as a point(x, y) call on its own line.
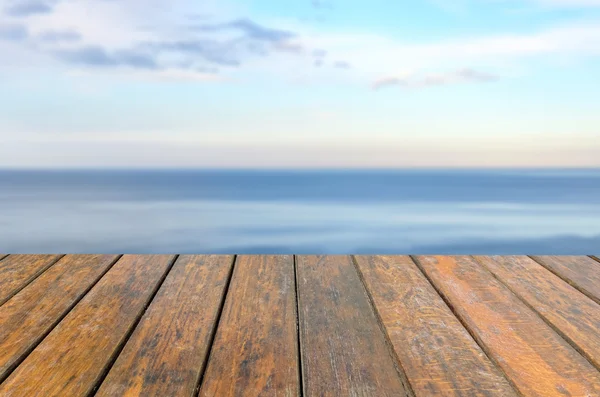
point(34, 276)
point(465, 325)
point(58, 319)
point(550, 324)
point(129, 332)
point(213, 334)
point(298, 339)
point(397, 363)
point(589, 286)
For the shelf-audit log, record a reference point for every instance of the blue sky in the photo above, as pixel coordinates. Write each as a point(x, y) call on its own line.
point(300, 83)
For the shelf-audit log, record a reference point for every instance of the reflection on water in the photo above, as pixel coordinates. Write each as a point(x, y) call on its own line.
point(509, 212)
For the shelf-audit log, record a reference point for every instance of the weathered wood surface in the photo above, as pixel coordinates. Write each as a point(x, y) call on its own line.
point(16, 271)
point(29, 315)
point(535, 358)
point(73, 357)
point(166, 353)
point(581, 272)
point(437, 353)
point(573, 314)
point(161, 325)
point(255, 351)
point(2, 256)
point(344, 352)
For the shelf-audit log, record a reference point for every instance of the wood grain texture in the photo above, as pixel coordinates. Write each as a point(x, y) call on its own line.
point(437, 353)
point(255, 351)
point(32, 313)
point(166, 353)
point(74, 356)
point(344, 352)
point(582, 272)
point(534, 357)
point(2, 256)
point(16, 271)
point(575, 315)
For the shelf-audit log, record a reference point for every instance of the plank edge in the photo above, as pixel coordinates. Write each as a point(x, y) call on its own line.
point(408, 388)
point(127, 335)
point(565, 279)
point(40, 271)
point(543, 318)
point(302, 391)
point(213, 332)
point(475, 337)
point(41, 338)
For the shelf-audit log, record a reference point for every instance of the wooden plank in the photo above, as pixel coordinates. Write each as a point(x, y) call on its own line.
point(166, 353)
point(574, 315)
point(437, 353)
point(581, 272)
point(534, 357)
point(17, 271)
point(72, 359)
point(34, 311)
point(255, 351)
point(2, 256)
point(344, 352)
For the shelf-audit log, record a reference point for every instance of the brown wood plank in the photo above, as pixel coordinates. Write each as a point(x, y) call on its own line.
point(34, 311)
point(437, 353)
point(255, 351)
point(2, 256)
point(344, 352)
point(75, 355)
point(534, 357)
point(166, 353)
point(582, 272)
point(574, 315)
point(17, 271)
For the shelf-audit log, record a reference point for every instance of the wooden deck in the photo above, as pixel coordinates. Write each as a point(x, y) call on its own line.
point(168, 325)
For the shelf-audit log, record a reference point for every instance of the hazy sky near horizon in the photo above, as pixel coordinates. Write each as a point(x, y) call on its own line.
point(299, 83)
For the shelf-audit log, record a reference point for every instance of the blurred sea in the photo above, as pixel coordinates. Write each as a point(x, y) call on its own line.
point(335, 212)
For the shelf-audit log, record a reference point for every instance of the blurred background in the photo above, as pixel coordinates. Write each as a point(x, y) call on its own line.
point(322, 126)
point(393, 211)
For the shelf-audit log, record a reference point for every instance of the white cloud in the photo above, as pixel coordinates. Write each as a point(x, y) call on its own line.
point(118, 28)
point(376, 57)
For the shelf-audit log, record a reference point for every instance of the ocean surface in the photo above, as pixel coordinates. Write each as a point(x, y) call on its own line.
point(334, 212)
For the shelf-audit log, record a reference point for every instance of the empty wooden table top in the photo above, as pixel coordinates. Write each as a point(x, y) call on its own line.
point(285, 325)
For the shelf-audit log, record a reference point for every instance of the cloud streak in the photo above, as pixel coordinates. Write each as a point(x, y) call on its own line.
point(212, 51)
point(433, 80)
point(28, 8)
point(55, 36)
point(98, 57)
point(341, 65)
point(250, 29)
point(13, 32)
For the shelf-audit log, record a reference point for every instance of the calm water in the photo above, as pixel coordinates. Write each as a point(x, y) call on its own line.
point(495, 212)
